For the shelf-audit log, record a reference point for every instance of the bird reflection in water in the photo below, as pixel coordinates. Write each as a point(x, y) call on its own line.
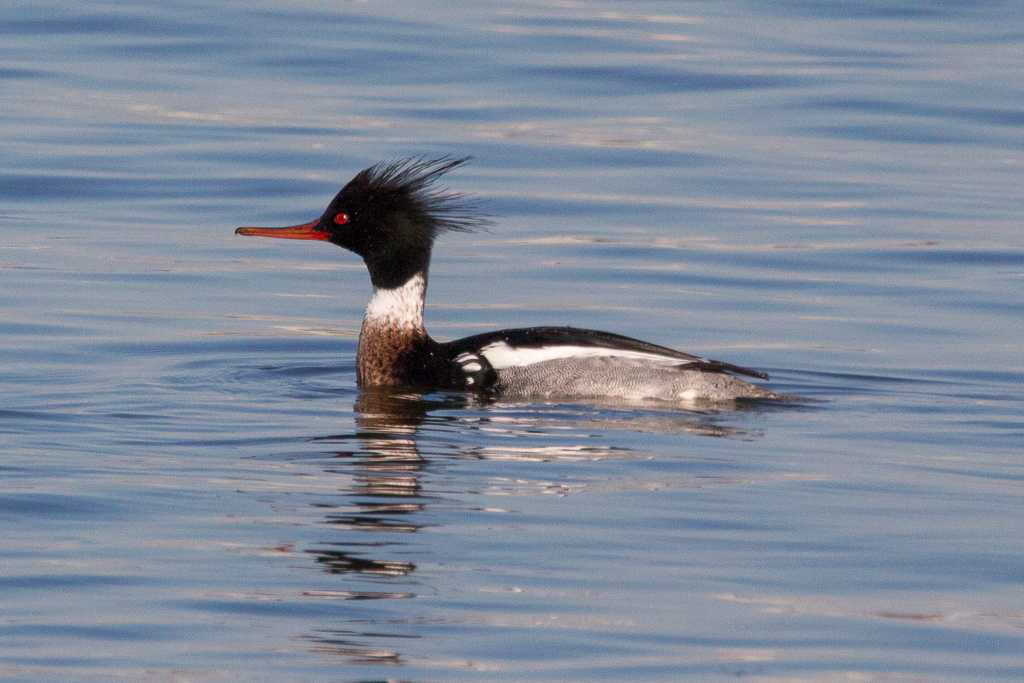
point(386, 466)
point(387, 501)
point(384, 501)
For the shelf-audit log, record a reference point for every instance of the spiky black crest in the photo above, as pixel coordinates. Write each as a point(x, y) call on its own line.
point(391, 212)
point(413, 180)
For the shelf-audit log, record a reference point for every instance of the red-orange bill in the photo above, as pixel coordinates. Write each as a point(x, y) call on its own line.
point(306, 231)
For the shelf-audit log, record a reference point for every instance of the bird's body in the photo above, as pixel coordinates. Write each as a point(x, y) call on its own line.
point(390, 214)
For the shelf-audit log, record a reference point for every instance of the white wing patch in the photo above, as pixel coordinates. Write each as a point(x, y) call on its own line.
point(471, 364)
point(502, 355)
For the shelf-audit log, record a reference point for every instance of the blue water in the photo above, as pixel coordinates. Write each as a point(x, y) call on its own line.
point(193, 488)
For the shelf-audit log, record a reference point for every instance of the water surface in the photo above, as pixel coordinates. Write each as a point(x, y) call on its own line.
point(194, 489)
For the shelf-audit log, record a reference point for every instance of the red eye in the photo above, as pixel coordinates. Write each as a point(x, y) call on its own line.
point(340, 218)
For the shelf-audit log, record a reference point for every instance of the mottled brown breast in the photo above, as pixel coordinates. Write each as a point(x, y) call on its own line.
point(391, 356)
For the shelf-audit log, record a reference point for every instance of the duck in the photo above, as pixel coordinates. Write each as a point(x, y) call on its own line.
point(390, 215)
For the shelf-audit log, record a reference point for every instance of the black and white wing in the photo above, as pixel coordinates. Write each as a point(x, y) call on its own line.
point(526, 346)
point(472, 370)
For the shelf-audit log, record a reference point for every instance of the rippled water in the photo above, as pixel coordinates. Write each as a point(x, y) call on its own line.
point(193, 489)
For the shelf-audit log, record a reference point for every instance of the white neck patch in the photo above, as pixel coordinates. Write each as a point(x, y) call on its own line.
point(399, 307)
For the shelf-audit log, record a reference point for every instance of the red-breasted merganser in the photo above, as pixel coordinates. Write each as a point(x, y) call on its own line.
point(390, 214)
